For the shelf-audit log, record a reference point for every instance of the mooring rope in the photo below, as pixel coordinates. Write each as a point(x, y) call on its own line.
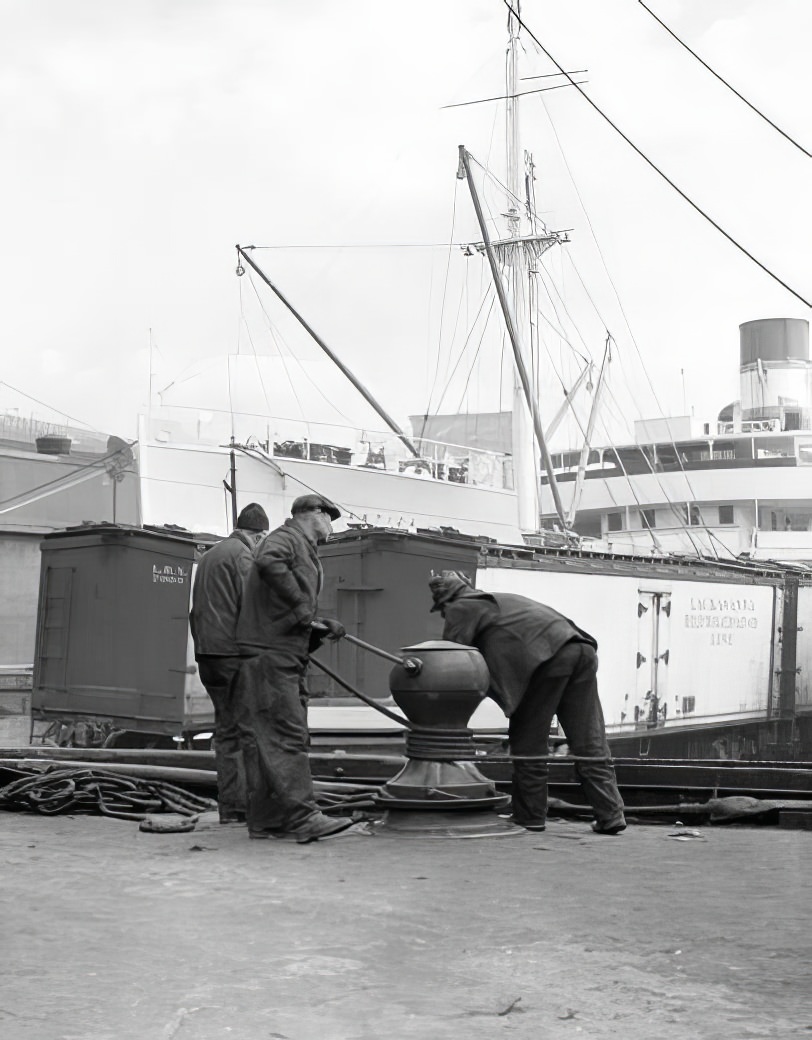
point(80, 790)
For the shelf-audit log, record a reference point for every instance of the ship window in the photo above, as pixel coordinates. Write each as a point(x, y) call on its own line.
point(691, 516)
point(688, 705)
point(796, 521)
point(588, 527)
point(614, 521)
point(774, 447)
point(805, 454)
point(649, 518)
point(725, 514)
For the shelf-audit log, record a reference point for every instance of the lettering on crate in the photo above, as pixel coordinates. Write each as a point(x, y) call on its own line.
point(721, 616)
point(169, 575)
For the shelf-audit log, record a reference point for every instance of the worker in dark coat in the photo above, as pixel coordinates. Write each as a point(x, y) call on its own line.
point(216, 602)
point(276, 636)
point(541, 665)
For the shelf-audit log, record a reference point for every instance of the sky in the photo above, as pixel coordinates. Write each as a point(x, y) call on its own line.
point(142, 140)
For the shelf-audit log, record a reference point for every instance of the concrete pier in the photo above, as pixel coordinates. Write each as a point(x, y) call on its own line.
point(109, 932)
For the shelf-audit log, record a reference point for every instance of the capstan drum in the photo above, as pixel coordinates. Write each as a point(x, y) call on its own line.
point(438, 697)
point(446, 690)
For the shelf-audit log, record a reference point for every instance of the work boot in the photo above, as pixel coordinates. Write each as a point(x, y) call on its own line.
point(319, 827)
point(232, 817)
point(530, 825)
point(614, 825)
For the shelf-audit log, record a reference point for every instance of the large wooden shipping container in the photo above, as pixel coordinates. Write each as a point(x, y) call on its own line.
point(113, 640)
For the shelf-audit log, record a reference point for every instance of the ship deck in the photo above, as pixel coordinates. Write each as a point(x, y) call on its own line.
point(111, 932)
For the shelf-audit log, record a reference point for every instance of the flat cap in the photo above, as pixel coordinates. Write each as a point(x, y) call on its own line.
point(306, 502)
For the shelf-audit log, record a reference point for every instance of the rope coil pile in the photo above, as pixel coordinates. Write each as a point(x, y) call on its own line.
point(82, 790)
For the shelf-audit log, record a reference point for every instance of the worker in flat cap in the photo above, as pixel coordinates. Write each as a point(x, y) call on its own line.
point(541, 665)
point(216, 603)
point(277, 631)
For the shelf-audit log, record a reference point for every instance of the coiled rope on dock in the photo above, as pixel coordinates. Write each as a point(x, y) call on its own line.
point(61, 789)
point(82, 790)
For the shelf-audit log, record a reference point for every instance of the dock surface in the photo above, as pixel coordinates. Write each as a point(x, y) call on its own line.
point(110, 933)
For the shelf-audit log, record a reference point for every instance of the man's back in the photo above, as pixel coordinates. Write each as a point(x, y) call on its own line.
point(217, 595)
point(514, 634)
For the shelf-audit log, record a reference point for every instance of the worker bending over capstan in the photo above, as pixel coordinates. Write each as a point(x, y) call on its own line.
point(541, 665)
point(276, 637)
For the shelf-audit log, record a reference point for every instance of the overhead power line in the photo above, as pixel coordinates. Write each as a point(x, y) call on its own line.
point(653, 165)
point(721, 79)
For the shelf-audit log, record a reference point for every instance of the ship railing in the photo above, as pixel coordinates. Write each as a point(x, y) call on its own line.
point(334, 444)
point(707, 539)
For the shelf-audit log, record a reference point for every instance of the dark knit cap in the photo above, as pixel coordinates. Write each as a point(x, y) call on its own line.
point(253, 518)
point(447, 586)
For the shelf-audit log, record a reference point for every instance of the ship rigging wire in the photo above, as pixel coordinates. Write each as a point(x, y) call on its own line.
point(654, 166)
point(36, 400)
point(442, 312)
point(475, 358)
point(721, 79)
point(489, 299)
point(281, 345)
point(546, 279)
point(519, 94)
point(23, 498)
point(272, 331)
point(641, 360)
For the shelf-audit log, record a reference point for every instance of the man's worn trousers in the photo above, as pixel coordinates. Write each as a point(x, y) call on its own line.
point(565, 686)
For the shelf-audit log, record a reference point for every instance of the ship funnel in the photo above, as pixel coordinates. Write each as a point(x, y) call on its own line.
point(775, 373)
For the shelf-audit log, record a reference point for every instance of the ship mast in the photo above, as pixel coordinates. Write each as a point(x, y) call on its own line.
point(525, 468)
point(517, 254)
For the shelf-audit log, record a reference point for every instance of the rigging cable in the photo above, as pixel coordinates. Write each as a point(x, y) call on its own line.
point(559, 331)
point(654, 167)
point(671, 437)
point(280, 342)
point(654, 539)
point(476, 355)
point(36, 400)
point(510, 195)
point(741, 97)
point(488, 296)
point(671, 504)
point(281, 357)
point(510, 97)
point(442, 311)
point(618, 299)
point(57, 483)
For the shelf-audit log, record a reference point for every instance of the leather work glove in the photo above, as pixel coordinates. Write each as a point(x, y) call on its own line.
point(329, 628)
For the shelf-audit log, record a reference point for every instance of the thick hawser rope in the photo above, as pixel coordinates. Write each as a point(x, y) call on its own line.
point(81, 790)
point(60, 790)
